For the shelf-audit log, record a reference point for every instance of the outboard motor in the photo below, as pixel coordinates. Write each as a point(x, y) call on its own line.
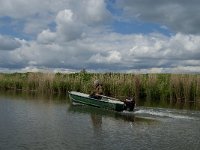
point(129, 104)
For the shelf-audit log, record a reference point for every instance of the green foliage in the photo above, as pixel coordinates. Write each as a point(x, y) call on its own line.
point(175, 88)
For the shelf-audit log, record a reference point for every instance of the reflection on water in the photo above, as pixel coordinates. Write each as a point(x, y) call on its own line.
point(96, 121)
point(46, 98)
point(33, 121)
point(189, 105)
point(97, 114)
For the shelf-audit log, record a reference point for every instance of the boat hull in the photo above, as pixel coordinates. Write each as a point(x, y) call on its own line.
point(105, 103)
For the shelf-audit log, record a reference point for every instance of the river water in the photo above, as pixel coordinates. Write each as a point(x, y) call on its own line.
point(54, 123)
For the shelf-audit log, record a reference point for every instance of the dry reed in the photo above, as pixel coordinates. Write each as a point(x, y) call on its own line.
point(176, 88)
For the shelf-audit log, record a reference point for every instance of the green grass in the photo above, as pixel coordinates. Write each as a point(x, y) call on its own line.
point(172, 88)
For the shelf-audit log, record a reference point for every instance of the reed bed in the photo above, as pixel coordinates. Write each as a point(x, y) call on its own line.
point(175, 88)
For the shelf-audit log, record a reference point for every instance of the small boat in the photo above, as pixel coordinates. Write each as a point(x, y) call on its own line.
point(105, 101)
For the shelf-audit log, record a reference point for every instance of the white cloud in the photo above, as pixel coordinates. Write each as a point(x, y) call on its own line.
point(95, 11)
point(72, 24)
point(46, 36)
point(23, 8)
point(80, 40)
point(68, 27)
point(114, 52)
point(111, 58)
point(114, 57)
point(88, 10)
point(37, 15)
point(64, 17)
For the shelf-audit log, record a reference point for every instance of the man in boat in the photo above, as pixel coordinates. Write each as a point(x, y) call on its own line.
point(97, 90)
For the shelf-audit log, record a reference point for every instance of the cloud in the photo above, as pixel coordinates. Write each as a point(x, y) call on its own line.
point(46, 36)
point(90, 10)
point(179, 16)
point(36, 15)
point(36, 23)
point(68, 26)
point(111, 52)
point(111, 58)
point(71, 35)
point(7, 43)
point(93, 12)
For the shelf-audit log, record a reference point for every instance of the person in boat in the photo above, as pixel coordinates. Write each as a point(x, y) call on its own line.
point(97, 90)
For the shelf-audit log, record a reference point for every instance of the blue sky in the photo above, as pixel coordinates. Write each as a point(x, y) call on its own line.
point(100, 35)
point(139, 27)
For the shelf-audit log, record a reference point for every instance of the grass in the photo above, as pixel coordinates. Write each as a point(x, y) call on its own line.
point(172, 88)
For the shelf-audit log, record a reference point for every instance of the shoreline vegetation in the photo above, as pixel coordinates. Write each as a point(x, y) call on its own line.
point(176, 89)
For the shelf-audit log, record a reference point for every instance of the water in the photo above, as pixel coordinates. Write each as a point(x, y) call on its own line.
point(53, 123)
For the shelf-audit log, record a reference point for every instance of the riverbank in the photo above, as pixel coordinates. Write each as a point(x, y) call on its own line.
point(165, 88)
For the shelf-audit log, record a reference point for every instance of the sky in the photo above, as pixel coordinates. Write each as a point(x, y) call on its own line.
point(131, 36)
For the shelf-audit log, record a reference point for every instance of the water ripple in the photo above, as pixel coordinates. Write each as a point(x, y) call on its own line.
point(163, 113)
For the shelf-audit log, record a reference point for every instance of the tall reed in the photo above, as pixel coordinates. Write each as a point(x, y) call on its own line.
point(176, 88)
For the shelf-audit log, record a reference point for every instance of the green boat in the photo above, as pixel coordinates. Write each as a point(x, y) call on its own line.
point(105, 102)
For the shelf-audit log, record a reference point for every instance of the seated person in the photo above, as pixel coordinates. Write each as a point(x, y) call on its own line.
point(97, 90)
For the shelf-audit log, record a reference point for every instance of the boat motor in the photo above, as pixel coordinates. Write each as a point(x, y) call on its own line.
point(129, 104)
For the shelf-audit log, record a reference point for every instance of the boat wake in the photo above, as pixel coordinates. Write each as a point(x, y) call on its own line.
point(162, 113)
point(77, 104)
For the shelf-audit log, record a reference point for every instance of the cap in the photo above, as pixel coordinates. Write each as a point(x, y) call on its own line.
point(96, 82)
